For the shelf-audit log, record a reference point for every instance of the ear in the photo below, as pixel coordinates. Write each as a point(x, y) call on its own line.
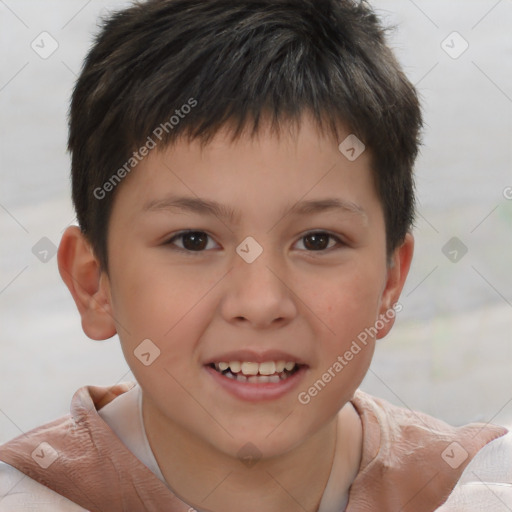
point(397, 273)
point(88, 284)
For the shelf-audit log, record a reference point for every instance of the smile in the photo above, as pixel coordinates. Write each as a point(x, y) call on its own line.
point(255, 373)
point(254, 382)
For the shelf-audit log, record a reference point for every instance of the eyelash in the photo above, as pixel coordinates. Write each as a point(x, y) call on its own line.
point(181, 234)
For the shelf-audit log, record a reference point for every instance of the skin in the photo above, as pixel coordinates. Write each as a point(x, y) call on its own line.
point(195, 306)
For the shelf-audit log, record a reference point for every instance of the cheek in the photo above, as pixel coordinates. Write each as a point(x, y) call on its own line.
point(345, 304)
point(167, 306)
point(347, 309)
point(154, 300)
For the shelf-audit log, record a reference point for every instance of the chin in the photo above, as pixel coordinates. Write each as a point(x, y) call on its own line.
point(258, 442)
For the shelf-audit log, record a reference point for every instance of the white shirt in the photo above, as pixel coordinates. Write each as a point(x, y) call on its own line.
point(486, 483)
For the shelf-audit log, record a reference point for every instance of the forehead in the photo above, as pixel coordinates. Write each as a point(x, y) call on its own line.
point(299, 169)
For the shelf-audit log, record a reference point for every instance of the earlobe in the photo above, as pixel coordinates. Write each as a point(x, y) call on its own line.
point(81, 272)
point(397, 274)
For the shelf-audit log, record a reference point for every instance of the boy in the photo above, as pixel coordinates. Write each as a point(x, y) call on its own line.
point(253, 130)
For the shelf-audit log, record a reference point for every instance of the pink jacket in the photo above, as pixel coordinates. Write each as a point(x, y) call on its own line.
point(410, 461)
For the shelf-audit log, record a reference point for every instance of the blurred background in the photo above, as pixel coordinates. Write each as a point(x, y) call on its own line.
point(450, 353)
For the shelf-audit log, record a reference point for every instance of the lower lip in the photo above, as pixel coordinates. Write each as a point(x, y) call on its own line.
point(256, 392)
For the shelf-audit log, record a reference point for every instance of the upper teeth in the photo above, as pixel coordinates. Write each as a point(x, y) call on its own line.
point(250, 368)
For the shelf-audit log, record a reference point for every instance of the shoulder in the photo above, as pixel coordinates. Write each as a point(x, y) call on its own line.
point(393, 423)
point(19, 493)
point(416, 455)
point(486, 483)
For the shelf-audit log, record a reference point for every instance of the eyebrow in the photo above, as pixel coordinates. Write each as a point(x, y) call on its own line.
point(208, 207)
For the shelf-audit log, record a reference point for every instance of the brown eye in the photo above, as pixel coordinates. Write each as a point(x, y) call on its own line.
point(192, 241)
point(319, 241)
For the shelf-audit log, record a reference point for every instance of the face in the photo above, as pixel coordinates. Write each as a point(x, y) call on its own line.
point(288, 267)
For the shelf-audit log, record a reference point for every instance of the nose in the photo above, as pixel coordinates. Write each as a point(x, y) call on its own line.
point(259, 294)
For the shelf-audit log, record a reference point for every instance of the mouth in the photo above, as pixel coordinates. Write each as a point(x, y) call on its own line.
point(257, 373)
point(254, 376)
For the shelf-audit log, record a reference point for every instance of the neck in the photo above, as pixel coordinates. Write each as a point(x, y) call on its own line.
point(295, 481)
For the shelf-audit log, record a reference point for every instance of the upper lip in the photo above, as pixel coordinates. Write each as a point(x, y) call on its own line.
point(254, 356)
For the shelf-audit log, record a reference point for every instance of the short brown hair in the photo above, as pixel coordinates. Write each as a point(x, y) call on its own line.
point(240, 62)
